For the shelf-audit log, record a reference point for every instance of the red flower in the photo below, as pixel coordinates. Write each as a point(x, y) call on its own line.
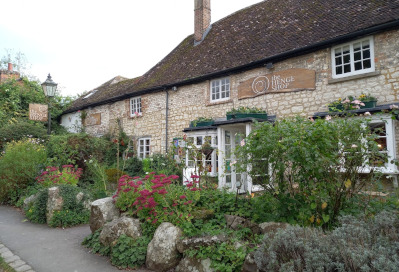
point(182, 197)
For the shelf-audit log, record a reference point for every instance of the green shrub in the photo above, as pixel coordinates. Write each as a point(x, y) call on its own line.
point(19, 165)
point(299, 162)
point(76, 149)
point(36, 211)
point(113, 175)
point(162, 164)
point(93, 242)
point(53, 176)
point(20, 130)
point(73, 211)
point(129, 252)
point(133, 167)
point(357, 245)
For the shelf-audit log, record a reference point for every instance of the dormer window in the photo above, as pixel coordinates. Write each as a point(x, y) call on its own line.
point(353, 58)
point(135, 107)
point(220, 89)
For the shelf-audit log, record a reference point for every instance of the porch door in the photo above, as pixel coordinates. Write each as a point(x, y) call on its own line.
point(233, 180)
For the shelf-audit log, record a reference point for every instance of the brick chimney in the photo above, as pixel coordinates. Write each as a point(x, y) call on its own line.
point(10, 67)
point(202, 19)
point(8, 74)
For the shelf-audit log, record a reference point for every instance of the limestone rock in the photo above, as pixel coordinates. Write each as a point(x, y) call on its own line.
point(162, 253)
point(250, 264)
point(79, 198)
point(235, 222)
point(268, 227)
point(102, 211)
point(124, 225)
point(29, 200)
point(197, 242)
point(194, 265)
point(54, 202)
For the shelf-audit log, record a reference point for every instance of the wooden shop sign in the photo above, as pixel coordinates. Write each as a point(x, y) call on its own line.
point(280, 82)
point(38, 112)
point(93, 119)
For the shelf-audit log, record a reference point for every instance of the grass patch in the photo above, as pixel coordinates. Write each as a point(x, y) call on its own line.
point(4, 267)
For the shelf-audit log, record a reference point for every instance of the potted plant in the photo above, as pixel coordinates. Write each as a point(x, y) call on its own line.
point(368, 101)
point(245, 112)
point(352, 103)
point(202, 122)
point(206, 149)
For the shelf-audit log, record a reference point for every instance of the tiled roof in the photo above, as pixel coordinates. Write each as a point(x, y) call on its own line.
point(262, 32)
point(111, 88)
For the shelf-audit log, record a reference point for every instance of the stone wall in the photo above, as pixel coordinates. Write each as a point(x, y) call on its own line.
point(192, 101)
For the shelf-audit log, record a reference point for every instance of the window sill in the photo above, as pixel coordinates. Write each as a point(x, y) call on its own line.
point(219, 102)
point(343, 79)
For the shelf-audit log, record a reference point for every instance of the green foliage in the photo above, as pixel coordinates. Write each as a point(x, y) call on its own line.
point(19, 165)
point(156, 199)
point(93, 242)
point(4, 267)
point(129, 252)
point(246, 110)
point(53, 176)
point(162, 164)
point(36, 211)
point(356, 245)
point(100, 187)
point(113, 175)
point(76, 149)
point(134, 167)
point(73, 211)
point(15, 97)
point(299, 162)
point(19, 130)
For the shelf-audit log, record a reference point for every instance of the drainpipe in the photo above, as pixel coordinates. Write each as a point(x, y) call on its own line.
point(166, 121)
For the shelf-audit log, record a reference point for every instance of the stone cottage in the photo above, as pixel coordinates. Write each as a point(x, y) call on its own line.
point(287, 57)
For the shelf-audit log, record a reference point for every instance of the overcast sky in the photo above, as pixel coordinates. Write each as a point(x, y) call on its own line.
point(87, 42)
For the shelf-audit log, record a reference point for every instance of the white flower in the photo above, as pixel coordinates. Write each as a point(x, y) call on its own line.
point(354, 146)
point(242, 142)
point(232, 163)
point(393, 106)
point(367, 113)
point(328, 117)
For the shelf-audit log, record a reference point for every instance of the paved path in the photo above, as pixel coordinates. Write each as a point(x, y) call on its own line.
point(46, 249)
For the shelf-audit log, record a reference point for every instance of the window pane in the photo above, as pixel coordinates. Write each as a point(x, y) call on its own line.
point(367, 64)
point(338, 61)
point(213, 97)
point(357, 56)
point(347, 68)
point(347, 58)
point(366, 54)
point(228, 94)
point(199, 140)
point(338, 52)
point(228, 181)
point(366, 44)
point(358, 65)
point(356, 47)
point(338, 70)
point(223, 95)
point(345, 50)
point(147, 142)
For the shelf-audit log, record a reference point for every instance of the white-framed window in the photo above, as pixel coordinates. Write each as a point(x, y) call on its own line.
point(196, 158)
point(384, 128)
point(143, 147)
point(135, 106)
point(220, 89)
point(353, 58)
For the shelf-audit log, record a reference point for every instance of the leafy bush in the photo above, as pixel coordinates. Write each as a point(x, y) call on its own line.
point(93, 242)
point(133, 167)
point(246, 110)
point(355, 246)
point(73, 210)
point(113, 175)
point(53, 176)
point(162, 164)
point(155, 199)
point(19, 165)
point(20, 130)
point(36, 211)
point(76, 149)
point(299, 162)
point(129, 252)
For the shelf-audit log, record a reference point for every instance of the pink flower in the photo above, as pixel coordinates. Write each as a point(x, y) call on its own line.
point(194, 176)
point(328, 117)
point(182, 197)
point(242, 142)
